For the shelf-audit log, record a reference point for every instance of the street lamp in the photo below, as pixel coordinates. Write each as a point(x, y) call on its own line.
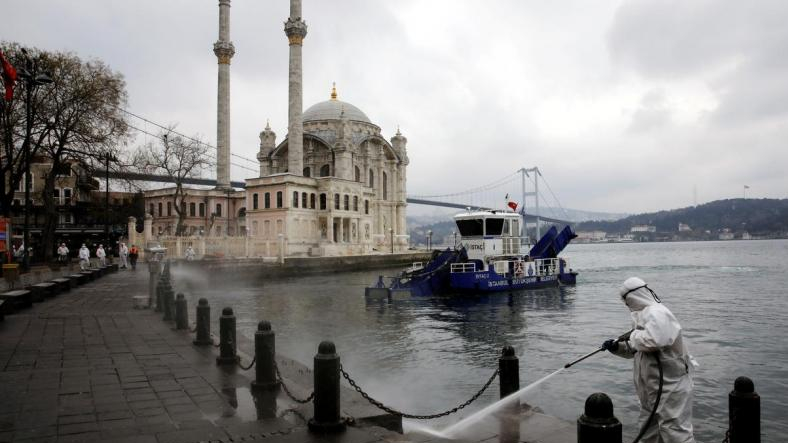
point(107, 157)
point(32, 80)
point(429, 239)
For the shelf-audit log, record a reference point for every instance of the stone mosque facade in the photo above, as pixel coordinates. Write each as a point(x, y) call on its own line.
point(332, 186)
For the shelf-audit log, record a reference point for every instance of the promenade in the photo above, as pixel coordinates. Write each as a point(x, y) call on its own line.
point(86, 366)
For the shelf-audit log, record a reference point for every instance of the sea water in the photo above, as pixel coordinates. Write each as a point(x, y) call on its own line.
point(425, 355)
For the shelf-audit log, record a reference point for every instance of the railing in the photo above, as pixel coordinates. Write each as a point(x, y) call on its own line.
point(546, 266)
point(463, 267)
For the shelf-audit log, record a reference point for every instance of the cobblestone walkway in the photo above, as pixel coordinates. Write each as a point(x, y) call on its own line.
point(86, 366)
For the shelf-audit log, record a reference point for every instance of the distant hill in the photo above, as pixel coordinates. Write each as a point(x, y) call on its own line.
point(761, 217)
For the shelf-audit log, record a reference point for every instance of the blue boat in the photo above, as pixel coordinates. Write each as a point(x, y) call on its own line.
point(489, 257)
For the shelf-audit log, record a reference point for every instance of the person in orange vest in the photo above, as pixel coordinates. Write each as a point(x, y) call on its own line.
point(134, 253)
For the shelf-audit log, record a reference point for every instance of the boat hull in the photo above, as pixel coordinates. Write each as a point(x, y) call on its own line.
point(489, 281)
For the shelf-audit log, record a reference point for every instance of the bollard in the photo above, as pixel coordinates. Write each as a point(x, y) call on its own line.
point(168, 307)
point(326, 402)
point(744, 412)
point(509, 378)
point(153, 273)
point(227, 344)
point(509, 371)
point(181, 314)
point(264, 354)
point(598, 424)
point(203, 324)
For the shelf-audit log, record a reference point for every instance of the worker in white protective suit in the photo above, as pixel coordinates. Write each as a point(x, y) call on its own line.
point(657, 333)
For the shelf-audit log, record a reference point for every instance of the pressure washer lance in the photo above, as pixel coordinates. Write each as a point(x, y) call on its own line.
point(623, 337)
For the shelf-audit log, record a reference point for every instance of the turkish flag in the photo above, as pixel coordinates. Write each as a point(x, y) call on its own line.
point(512, 205)
point(9, 77)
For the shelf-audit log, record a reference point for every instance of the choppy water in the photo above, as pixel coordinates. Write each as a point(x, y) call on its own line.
point(423, 355)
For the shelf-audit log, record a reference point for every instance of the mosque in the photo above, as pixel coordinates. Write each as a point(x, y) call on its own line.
point(333, 186)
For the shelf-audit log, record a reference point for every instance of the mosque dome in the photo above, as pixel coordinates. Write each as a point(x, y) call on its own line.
point(332, 109)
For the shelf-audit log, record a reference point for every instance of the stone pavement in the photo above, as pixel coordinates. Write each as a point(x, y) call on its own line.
point(86, 366)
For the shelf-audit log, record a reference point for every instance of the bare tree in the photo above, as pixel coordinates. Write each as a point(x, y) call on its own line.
point(175, 156)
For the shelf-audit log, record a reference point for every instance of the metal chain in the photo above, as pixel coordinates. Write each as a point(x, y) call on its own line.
point(728, 431)
point(281, 381)
point(385, 408)
point(238, 362)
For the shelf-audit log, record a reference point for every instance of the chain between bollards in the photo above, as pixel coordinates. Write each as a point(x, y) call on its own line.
point(246, 368)
point(287, 391)
point(393, 411)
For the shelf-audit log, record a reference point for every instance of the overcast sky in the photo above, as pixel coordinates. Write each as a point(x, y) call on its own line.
point(624, 106)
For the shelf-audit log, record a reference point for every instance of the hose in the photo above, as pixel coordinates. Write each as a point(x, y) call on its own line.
point(656, 403)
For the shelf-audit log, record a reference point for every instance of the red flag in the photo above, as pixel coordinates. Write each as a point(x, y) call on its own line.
point(512, 205)
point(9, 77)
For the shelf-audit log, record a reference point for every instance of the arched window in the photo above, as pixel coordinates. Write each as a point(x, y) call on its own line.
point(169, 209)
point(385, 186)
point(336, 201)
point(307, 172)
point(278, 199)
point(295, 199)
point(267, 200)
point(325, 170)
point(366, 206)
point(355, 203)
point(160, 211)
point(254, 201)
point(218, 210)
point(347, 202)
point(312, 201)
point(358, 174)
point(202, 209)
point(371, 179)
point(151, 209)
point(192, 209)
point(303, 200)
point(322, 202)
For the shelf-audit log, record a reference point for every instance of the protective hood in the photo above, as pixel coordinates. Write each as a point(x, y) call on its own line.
point(636, 295)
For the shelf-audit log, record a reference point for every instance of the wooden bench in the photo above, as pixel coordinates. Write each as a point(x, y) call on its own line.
point(19, 298)
point(41, 290)
point(64, 284)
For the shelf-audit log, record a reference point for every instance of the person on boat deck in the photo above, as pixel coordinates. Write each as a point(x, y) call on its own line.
point(657, 333)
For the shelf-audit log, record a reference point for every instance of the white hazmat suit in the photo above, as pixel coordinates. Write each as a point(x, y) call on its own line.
point(656, 331)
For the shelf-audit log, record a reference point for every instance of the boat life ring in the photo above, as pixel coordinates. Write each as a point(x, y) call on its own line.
point(519, 269)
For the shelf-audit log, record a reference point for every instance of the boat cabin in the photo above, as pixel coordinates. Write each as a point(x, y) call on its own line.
point(487, 235)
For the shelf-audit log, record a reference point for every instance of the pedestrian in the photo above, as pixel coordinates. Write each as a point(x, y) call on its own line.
point(124, 255)
point(189, 253)
point(62, 254)
point(101, 255)
point(134, 253)
point(84, 258)
point(656, 339)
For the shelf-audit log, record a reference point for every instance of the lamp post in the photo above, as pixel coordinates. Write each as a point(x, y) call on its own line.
point(107, 157)
point(429, 239)
point(32, 80)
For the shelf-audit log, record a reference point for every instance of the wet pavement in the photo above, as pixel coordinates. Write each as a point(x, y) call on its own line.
point(87, 366)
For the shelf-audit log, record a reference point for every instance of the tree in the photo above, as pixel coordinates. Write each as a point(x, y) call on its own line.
point(178, 157)
point(78, 119)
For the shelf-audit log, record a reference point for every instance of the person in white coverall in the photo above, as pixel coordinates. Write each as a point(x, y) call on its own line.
point(84, 257)
point(656, 332)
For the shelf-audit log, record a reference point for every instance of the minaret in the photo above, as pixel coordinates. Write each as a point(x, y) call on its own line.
point(295, 29)
point(224, 50)
point(267, 144)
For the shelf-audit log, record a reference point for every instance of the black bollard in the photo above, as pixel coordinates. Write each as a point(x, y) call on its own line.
point(509, 371)
point(169, 307)
point(203, 323)
point(744, 412)
point(181, 314)
point(509, 378)
point(227, 344)
point(264, 354)
point(598, 424)
point(326, 417)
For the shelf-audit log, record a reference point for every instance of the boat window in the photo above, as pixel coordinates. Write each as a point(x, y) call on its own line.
point(470, 227)
point(494, 226)
point(506, 228)
point(515, 228)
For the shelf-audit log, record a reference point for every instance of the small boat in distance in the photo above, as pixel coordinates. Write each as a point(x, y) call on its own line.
point(489, 257)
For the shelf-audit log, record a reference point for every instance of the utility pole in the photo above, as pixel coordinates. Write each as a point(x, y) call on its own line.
point(107, 158)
